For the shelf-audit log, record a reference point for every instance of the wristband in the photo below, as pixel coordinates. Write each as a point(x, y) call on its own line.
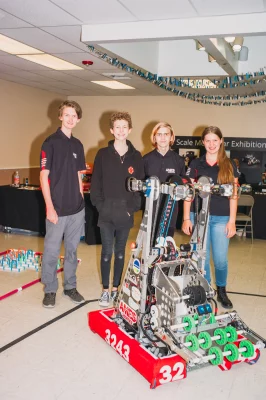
point(188, 219)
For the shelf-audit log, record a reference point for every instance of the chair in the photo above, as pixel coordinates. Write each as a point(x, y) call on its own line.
point(244, 219)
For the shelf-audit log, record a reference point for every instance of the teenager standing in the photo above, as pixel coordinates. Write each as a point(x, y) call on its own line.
point(217, 166)
point(116, 206)
point(62, 160)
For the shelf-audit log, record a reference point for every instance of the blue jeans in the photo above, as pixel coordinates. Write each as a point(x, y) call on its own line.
point(217, 240)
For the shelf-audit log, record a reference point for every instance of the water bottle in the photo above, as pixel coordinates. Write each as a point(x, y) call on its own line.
point(16, 179)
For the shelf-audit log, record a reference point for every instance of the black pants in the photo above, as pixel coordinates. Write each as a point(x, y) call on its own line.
point(116, 239)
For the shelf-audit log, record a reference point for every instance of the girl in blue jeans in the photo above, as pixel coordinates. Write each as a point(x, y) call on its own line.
point(217, 166)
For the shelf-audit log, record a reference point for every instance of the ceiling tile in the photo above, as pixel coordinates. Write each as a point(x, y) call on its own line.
point(37, 13)
point(158, 9)
point(70, 34)
point(77, 58)
point(29, 75)
point(8, 69)
point(227, 7)
point(39, 39)
point(13, 78)
point(78, 74)
point(63, 85)
point(21, 63)
point(96, 11)
point(9, 21)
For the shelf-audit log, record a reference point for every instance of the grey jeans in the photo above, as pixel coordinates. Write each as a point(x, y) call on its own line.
point(71, 228)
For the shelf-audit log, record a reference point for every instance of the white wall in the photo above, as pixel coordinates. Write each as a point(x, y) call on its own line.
point(28, 116)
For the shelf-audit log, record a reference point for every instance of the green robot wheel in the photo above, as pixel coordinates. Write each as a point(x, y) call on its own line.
point(234, 352)
point(232, 333)
point(190, 321)
point(249, 348)
point(208, 340)
point(194, 342)
point(218, 355)
point(223, 336)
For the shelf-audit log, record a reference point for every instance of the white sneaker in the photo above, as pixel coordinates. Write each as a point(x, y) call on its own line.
point(104, 300)
point(114, 296)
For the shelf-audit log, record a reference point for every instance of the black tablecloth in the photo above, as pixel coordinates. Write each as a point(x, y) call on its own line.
point(259, 216)
point(25, 209)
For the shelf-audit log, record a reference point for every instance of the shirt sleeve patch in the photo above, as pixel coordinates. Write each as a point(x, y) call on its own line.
point(43, 160)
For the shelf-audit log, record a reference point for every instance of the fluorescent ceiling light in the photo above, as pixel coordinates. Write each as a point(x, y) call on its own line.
point(113, 84)
point(229, 39)
point(50, 62)
point(12, 46)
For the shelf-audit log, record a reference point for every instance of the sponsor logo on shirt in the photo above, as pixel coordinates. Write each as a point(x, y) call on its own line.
point(74, 154)
point(188, 171)
point(131, 170)
point(170, 170)
point(43, 160)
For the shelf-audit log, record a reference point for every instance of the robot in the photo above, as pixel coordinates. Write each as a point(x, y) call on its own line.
point(165, 321)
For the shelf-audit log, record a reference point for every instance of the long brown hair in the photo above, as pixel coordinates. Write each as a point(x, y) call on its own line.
point(226, 174)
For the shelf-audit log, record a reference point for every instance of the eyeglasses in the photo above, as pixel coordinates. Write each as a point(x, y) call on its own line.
point(160, 134)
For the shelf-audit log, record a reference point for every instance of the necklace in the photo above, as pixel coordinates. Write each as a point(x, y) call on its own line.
point(122, 158)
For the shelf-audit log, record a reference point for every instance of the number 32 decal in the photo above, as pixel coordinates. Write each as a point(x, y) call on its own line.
point(168, 373)
point(120, 347)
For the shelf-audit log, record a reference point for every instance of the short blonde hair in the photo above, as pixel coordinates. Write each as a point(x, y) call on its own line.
point(159, 126)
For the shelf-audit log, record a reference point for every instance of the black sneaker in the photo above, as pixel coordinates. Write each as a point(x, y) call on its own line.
point(74, 295)
point(49, 300)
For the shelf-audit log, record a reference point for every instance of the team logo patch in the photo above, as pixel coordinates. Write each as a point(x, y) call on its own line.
point(127, 313)
point(74, 154)
point(136, 266)
point(43, 160)
point(131, 170)
point(170, 170)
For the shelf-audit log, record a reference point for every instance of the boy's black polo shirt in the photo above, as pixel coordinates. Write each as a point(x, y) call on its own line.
point(163, 167)
point(64, 157)
point(219, 205)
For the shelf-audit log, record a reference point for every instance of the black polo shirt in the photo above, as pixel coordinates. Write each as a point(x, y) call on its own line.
point(64, 157)
point(155, 164)
point(198, 167)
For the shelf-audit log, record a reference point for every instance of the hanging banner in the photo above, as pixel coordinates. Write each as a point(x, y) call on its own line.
point(249, 152)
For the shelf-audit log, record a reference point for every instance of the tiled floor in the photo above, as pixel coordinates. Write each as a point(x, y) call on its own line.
point(65, 360)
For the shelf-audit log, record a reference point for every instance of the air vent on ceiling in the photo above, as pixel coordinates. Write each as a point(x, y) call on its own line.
point(116, 75)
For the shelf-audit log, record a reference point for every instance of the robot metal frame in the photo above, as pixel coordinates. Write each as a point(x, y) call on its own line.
point(165, 321)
